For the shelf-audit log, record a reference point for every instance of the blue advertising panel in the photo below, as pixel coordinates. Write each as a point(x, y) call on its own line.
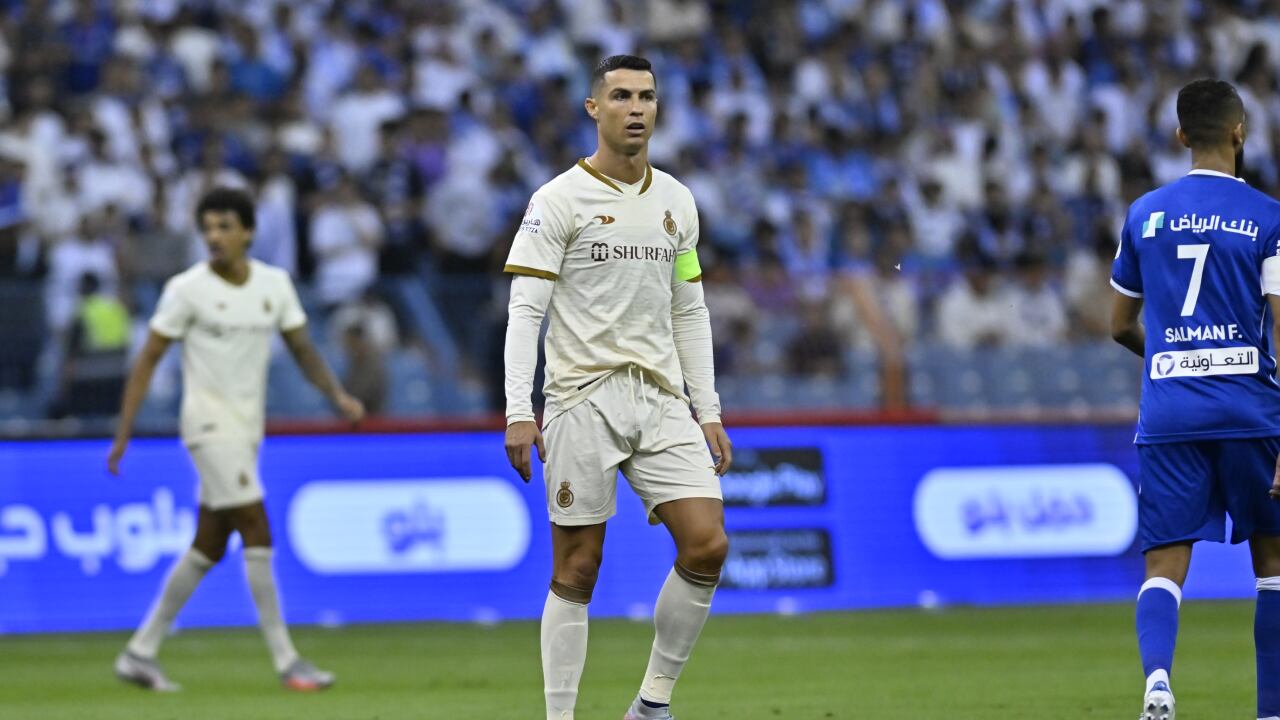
point(412, 527)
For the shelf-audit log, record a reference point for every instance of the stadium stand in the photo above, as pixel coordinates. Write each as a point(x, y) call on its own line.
point(857, 164)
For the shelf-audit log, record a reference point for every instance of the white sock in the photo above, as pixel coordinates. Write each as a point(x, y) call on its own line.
point(678, 618)
point(262, 584)
point(183, 578)
point(564, 653)
point(1155, 677)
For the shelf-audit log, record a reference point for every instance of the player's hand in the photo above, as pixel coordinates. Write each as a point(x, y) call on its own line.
point(1275, 482)
point(721, 448)
point(349, 408)
point(522, 436)
point(114, 457)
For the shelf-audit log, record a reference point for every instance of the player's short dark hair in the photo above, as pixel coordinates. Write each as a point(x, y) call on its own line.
point(1207, 111)
point(225, 199)
point(619, 62)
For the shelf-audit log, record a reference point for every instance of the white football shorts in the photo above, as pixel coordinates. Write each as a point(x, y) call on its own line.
point(228, 471)
point(631, 424)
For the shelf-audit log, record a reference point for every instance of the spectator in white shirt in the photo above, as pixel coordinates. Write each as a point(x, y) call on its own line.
point(440, 79)
point(357, 117)
point(462, 214)
point(1090, 171)
point(1056, 87)
point(275, 239)
point(972, 312)
point(548, 51)
point(373, 316)
point(106, 181)
point(334, 59)
point(346, 233)
point(88, 252)
point(672, 20)
point(935, 224)
point(1088, 277)
point(1038, 313)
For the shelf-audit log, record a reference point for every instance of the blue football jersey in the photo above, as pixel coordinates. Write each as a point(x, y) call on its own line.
point(1193, 250)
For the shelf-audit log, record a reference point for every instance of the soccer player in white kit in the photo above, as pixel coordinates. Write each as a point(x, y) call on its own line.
point(224, 312)
point(609, 249)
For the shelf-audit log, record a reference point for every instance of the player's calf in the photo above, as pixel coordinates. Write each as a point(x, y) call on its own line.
point(1266, 637)
point(577, 552)
point(678, 617)
point(564, 647)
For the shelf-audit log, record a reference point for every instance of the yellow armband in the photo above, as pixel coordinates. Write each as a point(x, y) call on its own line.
point(687, 267)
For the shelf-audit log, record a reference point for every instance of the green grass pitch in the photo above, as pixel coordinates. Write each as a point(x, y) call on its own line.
point(959, 664)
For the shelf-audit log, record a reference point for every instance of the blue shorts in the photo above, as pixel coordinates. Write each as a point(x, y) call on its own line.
point(1187, 489)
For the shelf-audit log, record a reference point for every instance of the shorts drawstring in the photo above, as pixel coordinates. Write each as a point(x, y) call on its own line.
point(634, 374)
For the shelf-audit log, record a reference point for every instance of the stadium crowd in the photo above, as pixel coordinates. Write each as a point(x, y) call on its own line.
point(873, 175)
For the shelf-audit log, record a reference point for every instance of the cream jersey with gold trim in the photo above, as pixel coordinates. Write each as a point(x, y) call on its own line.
point(226, 333)
point(615, 251)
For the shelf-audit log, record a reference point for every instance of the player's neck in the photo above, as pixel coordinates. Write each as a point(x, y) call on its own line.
point(1221, 160)
point(629, 169)
point(235, 272)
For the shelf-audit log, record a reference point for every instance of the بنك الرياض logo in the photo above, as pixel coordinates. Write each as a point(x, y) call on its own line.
point(1164, 364)
point(605, 219)
point(1153, 223)
point(599, 251)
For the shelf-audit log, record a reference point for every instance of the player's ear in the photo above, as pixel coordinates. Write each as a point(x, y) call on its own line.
point(1182, 137)
point(1238, 135)
point(592, 108)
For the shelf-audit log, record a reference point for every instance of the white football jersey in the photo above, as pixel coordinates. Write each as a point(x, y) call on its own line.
point(226, 335)
point(614, 250)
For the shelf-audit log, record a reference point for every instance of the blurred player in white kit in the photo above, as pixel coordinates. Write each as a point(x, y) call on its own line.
point(225, 312)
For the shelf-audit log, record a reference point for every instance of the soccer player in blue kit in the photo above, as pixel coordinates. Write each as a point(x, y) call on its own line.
point(1199, 260)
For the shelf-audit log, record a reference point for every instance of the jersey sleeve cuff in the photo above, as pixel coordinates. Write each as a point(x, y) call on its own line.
point(164, 331)
point(1271, 276)
point(531, 272)
point(1124, 290)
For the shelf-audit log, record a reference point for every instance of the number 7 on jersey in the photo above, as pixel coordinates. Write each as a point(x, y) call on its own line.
point(1199, 253)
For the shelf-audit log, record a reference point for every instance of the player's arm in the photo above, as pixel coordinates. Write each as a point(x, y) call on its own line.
point(318, 373)
point(1126, 326)
point(535, 261)
point(1126, 280)
point(530, 297)
point(135, 391)
point(691, 331)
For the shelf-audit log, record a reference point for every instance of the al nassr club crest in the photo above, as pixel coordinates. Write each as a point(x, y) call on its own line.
point(669, 224)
